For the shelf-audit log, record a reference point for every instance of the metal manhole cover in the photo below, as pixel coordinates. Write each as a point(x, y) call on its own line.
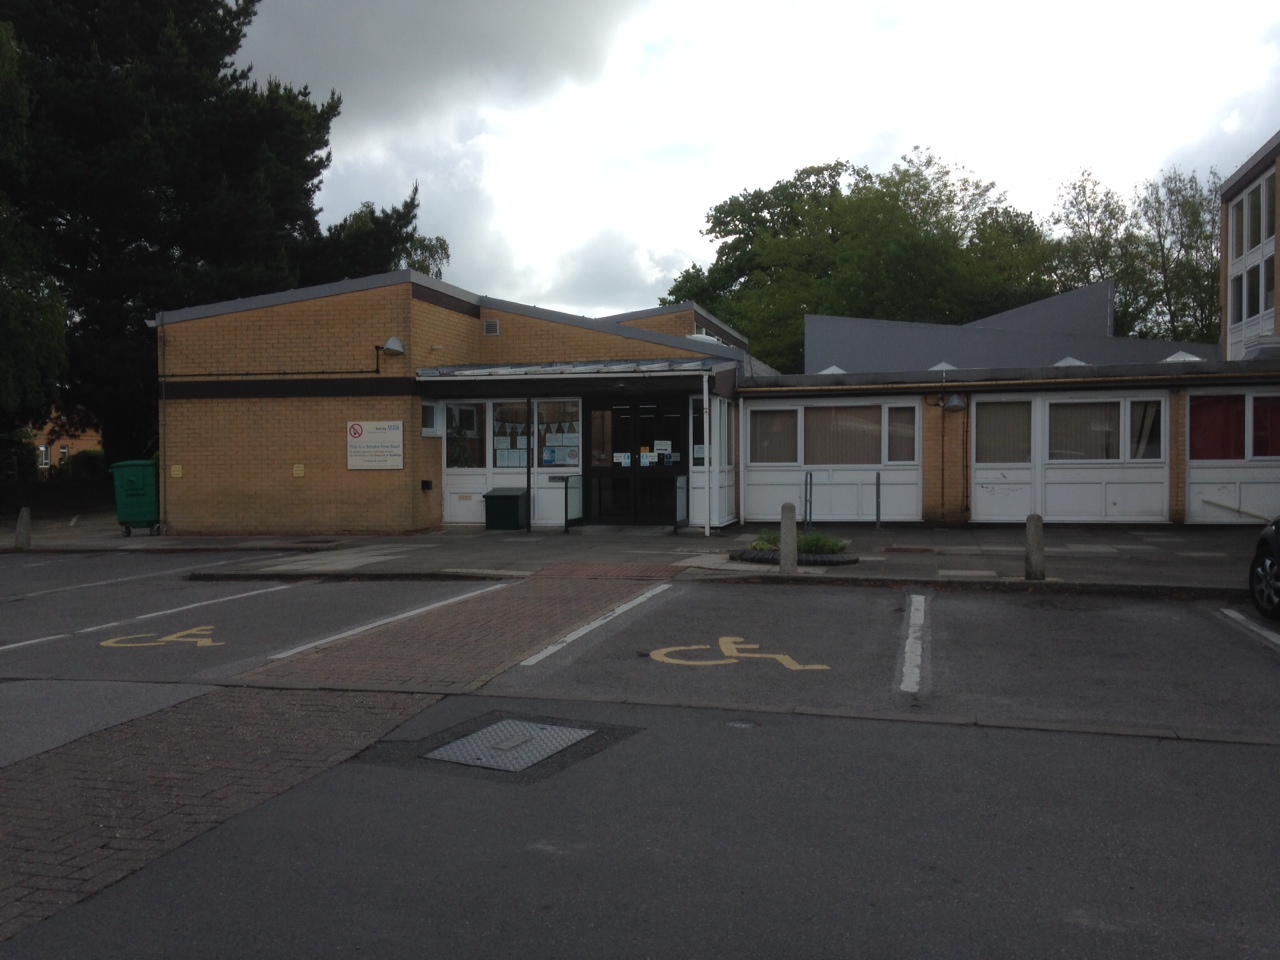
point(510, 745)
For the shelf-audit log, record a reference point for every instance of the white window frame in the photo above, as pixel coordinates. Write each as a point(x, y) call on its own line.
point(800, 407)
point(1242, 264)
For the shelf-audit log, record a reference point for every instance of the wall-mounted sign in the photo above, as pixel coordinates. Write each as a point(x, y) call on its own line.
point(375, 445)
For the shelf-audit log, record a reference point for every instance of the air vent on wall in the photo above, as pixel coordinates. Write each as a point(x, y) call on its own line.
point(491, 328)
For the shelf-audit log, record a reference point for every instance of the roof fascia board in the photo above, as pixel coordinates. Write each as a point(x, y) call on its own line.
point(592, 375)
point(710, 318)
point(359, 285)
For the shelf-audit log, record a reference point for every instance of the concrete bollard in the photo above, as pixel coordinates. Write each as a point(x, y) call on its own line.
point(1035, 547)
point(22, 538)
point(787, 556)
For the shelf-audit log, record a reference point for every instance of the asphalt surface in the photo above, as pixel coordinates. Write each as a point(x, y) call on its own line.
point(1152, 558)
point(950, 762)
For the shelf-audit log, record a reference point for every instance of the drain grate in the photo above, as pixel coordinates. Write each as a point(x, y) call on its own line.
point(510, 745)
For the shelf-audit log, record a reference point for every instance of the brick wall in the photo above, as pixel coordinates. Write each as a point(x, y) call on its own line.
point(681, 324)
point(329, 335)
point(232, 466)
point(529, 340)
point(944, 452)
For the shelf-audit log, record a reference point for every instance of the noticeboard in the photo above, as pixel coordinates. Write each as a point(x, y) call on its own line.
point(375, 445)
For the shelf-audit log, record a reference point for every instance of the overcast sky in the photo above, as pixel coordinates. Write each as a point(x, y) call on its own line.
point(569, 150)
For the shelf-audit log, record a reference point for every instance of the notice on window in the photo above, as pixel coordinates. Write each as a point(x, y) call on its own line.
point(375, 445)
point(662, 446)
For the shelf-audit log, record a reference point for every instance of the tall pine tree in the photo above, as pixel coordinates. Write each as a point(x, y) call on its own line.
point(160, 175)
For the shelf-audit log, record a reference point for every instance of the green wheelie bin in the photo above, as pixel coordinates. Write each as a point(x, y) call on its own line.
point(137, 485)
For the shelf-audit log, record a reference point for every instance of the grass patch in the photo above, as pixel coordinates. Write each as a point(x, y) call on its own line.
point(807, 542)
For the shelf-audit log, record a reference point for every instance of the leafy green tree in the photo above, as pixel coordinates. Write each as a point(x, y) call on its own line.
point(1161, 251)
point(32, 315)
point(159, 175)
point(1177, 220)
point(919, 242)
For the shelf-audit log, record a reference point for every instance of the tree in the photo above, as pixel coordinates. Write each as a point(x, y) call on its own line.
point(159, 175)
point(1177, 219)
point(920, 242)
point(1161, 251)
point(32, 314)
point(371, 241)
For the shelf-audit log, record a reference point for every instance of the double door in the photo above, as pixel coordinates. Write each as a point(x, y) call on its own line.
point(637, 462)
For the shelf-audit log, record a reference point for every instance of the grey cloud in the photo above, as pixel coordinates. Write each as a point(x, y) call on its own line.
point(453, 204)
point(397, 61)
point(1226, 151)
point(612, 273)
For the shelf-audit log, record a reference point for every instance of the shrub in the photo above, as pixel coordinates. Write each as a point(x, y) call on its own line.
point(809, 541)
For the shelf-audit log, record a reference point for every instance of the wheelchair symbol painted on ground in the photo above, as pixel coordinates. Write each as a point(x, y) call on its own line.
point(200, 636)
point(733, 650)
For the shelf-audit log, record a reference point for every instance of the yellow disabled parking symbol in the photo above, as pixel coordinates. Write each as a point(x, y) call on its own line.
point(733, 650)
point(200, 636)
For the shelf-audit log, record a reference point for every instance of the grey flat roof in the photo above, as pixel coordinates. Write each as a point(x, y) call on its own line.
point(1073, 327)
point(1115, 376)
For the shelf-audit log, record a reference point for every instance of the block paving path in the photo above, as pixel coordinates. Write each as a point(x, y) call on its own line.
point(82, 816)
point(458, 648)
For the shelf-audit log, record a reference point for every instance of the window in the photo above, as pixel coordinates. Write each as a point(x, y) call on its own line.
point(1253, 206)
point(1252, 291)
point(1084, 431)
point(1144, 430)
point(1217, 427)
point(1237, 298)
point(902, 434)
point(465, 439)
point(1266, 426)
point(1002, 432)
point(773, 436)
point(841, 435)
point(1269, 207)
point(64, 452)
point(559, 433)
point(511, 434)
point(1237, 229)
point(430, 418)
point(42, 456)
point(731, 436)
point(1269, 283)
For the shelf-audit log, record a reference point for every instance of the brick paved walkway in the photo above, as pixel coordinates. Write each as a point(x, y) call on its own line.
point(82, 816)
point(457, 648)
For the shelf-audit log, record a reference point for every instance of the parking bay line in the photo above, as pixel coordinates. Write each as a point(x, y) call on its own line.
point(385, 620)
point(913, 654)
point(1271, 639)
point(583, 631)
point(139, 576)
point(146, 616)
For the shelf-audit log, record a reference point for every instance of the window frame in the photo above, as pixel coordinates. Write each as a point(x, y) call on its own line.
point(1250, 395)
point(885, 404)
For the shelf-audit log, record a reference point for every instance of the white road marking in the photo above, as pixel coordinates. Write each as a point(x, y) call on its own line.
point(145, 616)
point(384, 621)
point(583, 631)
point(1269, 637)
point(913, 654)
point(140, 576)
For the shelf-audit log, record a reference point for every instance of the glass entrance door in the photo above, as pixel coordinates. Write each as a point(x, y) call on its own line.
point(636, 453)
